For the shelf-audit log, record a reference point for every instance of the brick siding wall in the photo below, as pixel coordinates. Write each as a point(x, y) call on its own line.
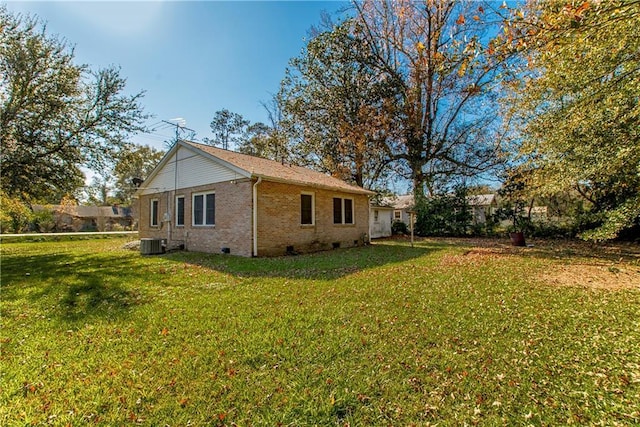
point(232, 219)
point(279, 224)
point(279, 220)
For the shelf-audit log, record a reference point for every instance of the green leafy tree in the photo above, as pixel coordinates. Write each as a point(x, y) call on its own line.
point(445, 65)
point(444, 214)
point(133, 166)
point(43, 221)
point(55, 115)
point(577, 108)
point(336, 104)
point(15, 214)
point(98, 192)
point(227, 127)
point(256, 141)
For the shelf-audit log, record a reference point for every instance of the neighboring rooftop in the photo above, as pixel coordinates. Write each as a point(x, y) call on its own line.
point(481, 199)
point(87, 211)
point(399, 202)
point(406, 201)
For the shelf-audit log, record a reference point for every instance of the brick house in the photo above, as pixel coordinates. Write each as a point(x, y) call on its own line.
point(208, 199)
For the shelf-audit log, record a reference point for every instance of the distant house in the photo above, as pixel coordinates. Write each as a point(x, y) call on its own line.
point(380, 220)
point(401, 205)
point(482, 207)
point(208, 199)
point(89, 218)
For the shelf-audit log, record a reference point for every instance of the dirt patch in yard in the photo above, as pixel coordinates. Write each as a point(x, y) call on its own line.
point(594, 276)
point(476, 256)
point(612, 266)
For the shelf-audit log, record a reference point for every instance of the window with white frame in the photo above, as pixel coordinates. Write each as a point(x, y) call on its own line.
point(155, 212)
point(397, 215)
point(307, 209)
point(179, 210)
point(203, 209)
point(342, 211)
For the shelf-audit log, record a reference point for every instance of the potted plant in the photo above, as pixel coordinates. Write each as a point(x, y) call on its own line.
point(518, 222)
point(516, 230)
point(513, 192)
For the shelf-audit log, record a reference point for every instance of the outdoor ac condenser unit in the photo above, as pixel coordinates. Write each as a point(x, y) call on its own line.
point(150, 246)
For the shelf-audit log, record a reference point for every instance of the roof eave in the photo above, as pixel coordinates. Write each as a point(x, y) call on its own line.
point(353, 190)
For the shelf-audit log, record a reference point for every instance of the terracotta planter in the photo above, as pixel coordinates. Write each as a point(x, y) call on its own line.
point(517, 239)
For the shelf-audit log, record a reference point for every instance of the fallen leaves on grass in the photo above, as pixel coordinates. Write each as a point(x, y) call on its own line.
point(594, 276)
point(475, 256)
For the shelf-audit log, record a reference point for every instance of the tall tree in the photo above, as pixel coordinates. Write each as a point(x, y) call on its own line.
point(227, 127)
point(98, 192)
point(577, 106)
point(441, 57)
point(336, 104)
point(256, 140)
point(132, 167)
point(279, 135)
point(55, 115)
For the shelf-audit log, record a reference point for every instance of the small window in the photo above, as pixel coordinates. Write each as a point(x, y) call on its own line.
point(342, 211)
point(337, 210)
point(306, 209)
point(397, 215)
point(155, 209)
point(180, 210)
point(348, 211)
point(375, 215)
point(204, 209)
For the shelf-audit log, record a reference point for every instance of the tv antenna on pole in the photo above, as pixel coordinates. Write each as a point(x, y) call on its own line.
point(179, 124)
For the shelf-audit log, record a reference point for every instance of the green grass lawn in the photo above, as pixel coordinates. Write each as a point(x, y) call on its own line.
point(379, 335)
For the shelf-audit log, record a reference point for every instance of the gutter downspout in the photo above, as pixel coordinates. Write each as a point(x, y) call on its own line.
point(255, 216)
point(370, 206)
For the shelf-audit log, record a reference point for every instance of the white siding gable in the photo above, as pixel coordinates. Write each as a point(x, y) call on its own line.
point(194, 169)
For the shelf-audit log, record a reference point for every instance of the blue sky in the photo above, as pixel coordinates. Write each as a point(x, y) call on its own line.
point(191, 58)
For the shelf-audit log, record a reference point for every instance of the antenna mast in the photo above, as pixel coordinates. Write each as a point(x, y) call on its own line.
point(180, 126)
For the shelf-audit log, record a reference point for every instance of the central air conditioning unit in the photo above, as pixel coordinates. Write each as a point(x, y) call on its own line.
point(150, 246)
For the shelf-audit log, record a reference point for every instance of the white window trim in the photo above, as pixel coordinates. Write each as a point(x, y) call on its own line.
point(181, 196)
point(343, 211)
point(157, 216)
point(397, 217)
point(313, 208)
point(204, 209)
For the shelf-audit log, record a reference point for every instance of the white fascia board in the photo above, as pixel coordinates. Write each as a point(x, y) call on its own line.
point(155, 171)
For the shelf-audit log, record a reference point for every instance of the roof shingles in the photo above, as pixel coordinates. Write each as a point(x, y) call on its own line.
point(276, 171)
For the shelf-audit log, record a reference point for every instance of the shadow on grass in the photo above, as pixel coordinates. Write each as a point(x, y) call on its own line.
point(76, 287)
point(91, 296)
point(327, 265)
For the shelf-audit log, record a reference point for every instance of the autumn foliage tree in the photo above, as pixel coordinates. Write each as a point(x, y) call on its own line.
point(577, 109)
point(445, 59)
point(336, 106)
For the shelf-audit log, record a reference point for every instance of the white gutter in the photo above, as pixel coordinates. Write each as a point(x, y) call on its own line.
point(255, 216)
